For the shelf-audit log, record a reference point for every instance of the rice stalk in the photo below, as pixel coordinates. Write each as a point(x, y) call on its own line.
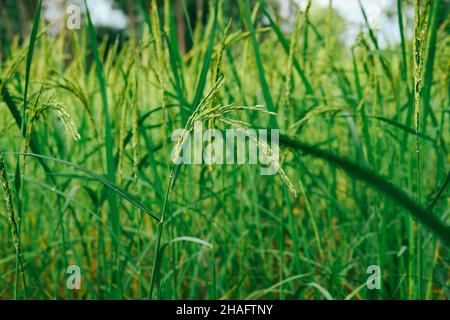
point(109, 149)
point(420, 29)
point(135, 114)
point(123, 105)
point(7, 194)
point(253, 233)
point(160, 74)
point(267, 151)
point(292, 51)
point(80, 93)
point(61, 113)
point(14, 65)
point(19, 177)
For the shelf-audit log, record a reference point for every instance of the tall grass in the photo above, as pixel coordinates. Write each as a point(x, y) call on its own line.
point(364, 142)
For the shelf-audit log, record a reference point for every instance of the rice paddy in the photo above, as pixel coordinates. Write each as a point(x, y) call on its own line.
point(88, 179)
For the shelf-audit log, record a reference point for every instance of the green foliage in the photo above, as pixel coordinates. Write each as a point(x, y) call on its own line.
point(100, 190)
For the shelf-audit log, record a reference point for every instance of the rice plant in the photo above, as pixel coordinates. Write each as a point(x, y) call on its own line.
point(88, 177)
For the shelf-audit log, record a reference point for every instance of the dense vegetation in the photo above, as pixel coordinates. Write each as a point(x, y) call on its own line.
point(87, 177)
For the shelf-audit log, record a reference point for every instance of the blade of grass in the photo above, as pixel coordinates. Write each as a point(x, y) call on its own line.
point(436, 226)
point(439, 194)
point(13, 224)
point(429, 64)
point(157, 255)
point(259, 64)
point(19, 183)
point(403, 44)
point(106, 182)
point(286, 47)
point(109, 145)
point(206, 60)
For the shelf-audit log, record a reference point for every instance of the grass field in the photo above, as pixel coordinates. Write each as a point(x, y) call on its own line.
point(87, 176)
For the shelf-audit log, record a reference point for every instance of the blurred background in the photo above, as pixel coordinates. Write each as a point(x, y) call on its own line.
point(125, 18)
point(116, 18)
